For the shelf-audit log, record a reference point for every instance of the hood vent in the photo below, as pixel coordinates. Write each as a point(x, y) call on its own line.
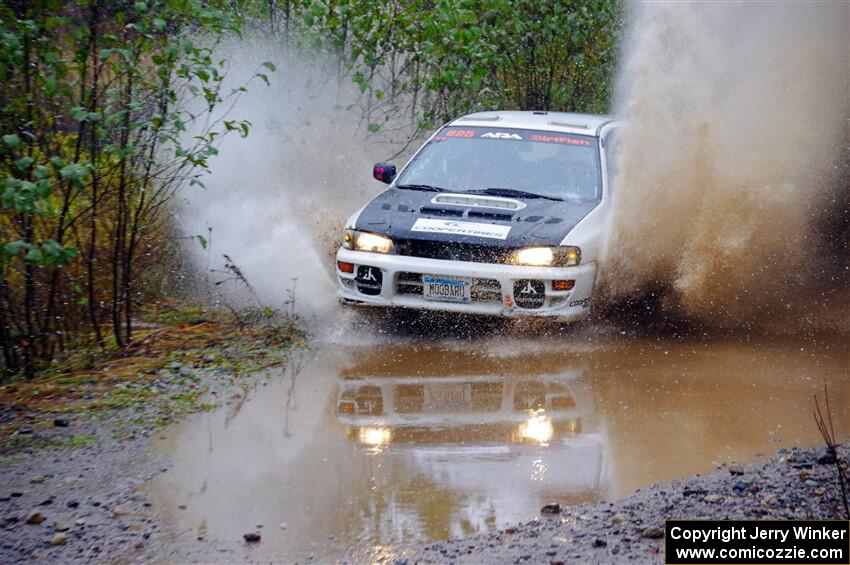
point(479, 201)
point(489, 215)
point(440, 211)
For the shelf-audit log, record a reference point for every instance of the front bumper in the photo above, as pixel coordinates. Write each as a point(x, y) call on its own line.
point(493, 288)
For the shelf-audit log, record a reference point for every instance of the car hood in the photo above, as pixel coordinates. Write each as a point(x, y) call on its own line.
point(504, 222)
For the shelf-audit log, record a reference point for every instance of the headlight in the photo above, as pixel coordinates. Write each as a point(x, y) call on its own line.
point(547, 256)
point(365, 241)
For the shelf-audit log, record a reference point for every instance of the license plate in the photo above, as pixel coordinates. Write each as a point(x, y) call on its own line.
point(445, 397)
point(446, 289)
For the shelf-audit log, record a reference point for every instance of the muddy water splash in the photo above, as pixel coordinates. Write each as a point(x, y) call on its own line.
point(274, 200)
point(738, 125)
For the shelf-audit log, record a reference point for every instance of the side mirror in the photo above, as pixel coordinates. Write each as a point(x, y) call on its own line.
point(384, 172)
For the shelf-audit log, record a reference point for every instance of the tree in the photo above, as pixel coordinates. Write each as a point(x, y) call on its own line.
point(107, 107)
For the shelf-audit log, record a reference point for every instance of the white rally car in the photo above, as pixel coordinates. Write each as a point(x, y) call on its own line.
point(498, 213)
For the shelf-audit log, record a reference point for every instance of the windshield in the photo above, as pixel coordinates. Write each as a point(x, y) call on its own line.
point(501, 161)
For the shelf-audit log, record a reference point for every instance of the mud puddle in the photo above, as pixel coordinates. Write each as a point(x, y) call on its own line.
point(354, 452)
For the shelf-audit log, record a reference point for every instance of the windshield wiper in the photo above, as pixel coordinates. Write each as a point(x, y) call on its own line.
point(427, 187)
point(512, 192)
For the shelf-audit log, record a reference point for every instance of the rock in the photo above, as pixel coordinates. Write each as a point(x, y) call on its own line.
point(72, 504)
point(252, 537)
point(597, 542)
point(34, 517)
point(740, 486)
point(5, 498)
point(712, 498)
point(61, 527)
point(59, 539)
point(120, 511)
point(510, 530)
point(61, 422)
point(826, 459)
point(139, 545)
point(47, 502)
point(652, 533)
point(38, 479)
point(209, 358)
point(736, 469)
point(283, 526)
point(80, 522)
point(551, 508)
point(618, 519)
point(16, 494)
point(810, 483)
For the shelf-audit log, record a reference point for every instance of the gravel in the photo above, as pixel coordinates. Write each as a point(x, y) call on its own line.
point(793, 485)
point(86, 504)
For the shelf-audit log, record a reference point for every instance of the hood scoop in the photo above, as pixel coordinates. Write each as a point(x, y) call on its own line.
point(479, 201)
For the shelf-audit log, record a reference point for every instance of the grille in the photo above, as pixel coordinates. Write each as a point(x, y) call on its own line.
point(483, 290)
point(453, 251)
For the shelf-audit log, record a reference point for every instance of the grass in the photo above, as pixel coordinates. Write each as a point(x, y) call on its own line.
point(175, 341)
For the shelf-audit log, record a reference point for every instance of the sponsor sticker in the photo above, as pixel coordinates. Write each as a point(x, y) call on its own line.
point(501, 135)
point(473, 229)
point(560, 139)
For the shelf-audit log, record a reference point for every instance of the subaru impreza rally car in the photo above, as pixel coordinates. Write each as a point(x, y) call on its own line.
point(498, 213)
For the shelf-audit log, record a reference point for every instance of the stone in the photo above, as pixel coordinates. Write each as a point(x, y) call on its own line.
point(61, 422)
point(653, 532)
point(34, 517)
point(38, 479)
point(712, 498)
point(120, 511)
point(826, 459)
point(59, 539)
point(252, 537)
point(618, 519)
point(551, 508)
point(61, 527)
point(740, 486)
point(597, 542)
point(736, 469)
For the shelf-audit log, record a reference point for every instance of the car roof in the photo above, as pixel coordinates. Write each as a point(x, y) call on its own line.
point(564, 122)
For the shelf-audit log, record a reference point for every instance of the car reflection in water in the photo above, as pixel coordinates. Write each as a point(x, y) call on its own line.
point(512, 441)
